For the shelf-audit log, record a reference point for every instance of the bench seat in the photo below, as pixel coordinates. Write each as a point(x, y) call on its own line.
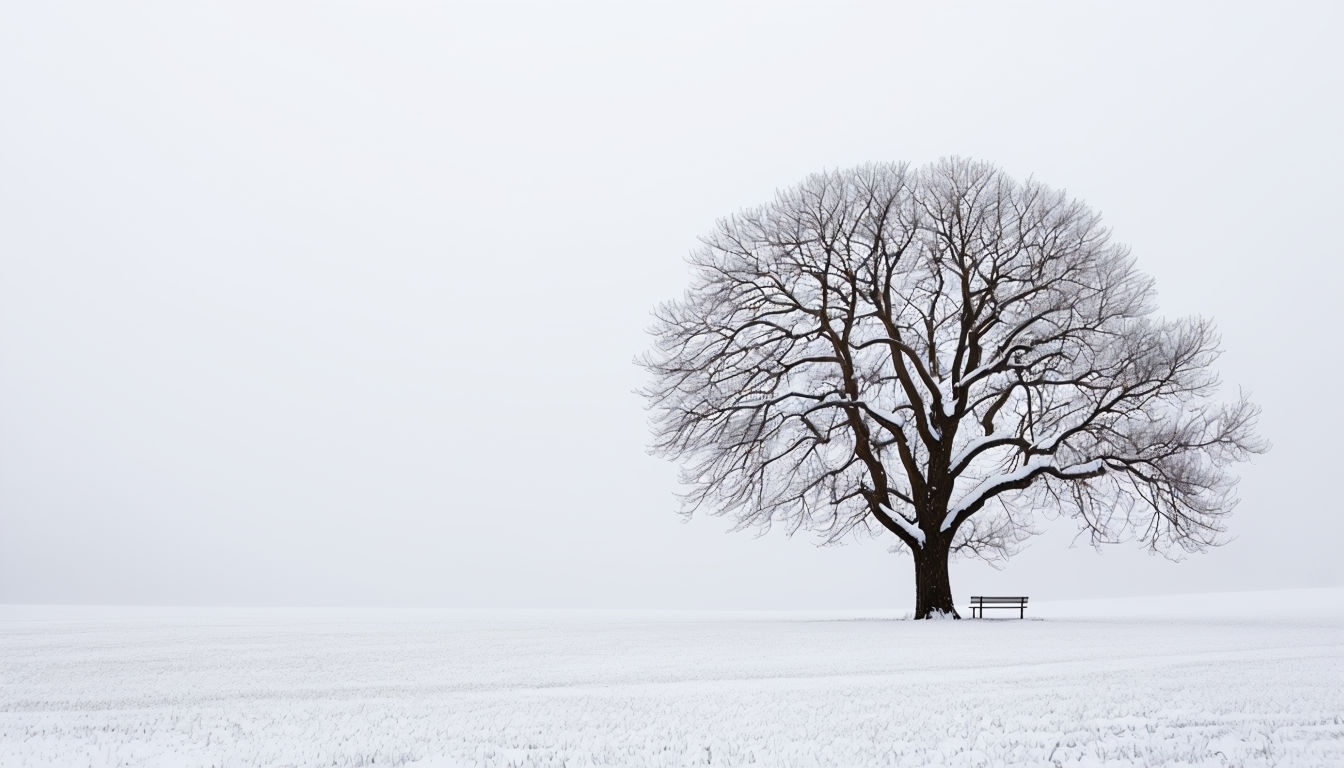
point(980, 602)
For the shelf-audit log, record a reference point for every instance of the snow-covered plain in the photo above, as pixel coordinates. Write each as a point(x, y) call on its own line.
point(1253, 679)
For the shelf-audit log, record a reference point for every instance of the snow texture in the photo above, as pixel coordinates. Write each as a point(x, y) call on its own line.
point(1255, 679)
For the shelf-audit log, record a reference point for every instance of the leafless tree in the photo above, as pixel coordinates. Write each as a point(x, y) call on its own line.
point(939, 353)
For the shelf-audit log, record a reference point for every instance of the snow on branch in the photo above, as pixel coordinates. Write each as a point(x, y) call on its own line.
point(1018, 478)
point(905, 525)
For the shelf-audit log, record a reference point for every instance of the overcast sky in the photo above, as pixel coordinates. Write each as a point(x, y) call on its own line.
point(337, 303)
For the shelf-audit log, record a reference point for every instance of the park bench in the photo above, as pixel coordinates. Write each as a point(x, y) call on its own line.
point(979, 604)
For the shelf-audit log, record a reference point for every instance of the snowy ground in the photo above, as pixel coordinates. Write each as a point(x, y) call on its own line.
point(1237, 680)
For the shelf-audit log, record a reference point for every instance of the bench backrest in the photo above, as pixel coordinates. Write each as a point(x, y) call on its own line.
point(980, 600)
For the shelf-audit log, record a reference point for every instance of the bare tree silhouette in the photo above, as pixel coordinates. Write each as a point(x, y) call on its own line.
point(939, 353)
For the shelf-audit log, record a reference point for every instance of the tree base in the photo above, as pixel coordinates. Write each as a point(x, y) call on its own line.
point(933, 587)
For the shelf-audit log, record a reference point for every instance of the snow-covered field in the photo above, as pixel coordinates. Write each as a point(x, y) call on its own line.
point(1238, 680)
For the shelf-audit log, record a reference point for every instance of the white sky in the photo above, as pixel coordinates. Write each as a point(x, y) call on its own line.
point(329, 303)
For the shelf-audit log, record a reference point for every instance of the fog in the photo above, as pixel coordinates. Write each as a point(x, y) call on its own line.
point(338, 303)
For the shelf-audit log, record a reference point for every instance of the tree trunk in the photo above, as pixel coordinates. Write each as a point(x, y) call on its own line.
point(933, 588)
